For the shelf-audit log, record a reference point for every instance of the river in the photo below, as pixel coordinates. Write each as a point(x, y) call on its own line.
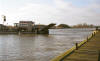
point(33, 47)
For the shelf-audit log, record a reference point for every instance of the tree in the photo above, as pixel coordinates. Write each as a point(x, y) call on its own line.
point(83, 25)
point(63, 26)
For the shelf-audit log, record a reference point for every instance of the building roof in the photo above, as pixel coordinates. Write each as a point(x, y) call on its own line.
point(40, 26)
point(26, 22)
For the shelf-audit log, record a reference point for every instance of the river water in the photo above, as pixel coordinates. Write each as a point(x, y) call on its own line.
point(33, 47)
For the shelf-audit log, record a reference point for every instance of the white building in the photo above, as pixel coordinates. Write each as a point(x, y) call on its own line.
point(28, 25)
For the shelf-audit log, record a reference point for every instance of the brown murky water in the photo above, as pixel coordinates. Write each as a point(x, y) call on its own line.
point(32, 47)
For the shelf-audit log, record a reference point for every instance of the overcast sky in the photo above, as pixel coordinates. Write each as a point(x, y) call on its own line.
point(69, 12)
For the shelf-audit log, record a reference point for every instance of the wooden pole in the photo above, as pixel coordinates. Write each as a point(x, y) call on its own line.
point(99, 56)
point(92, 34)
point(76, 46)
point(87, 39)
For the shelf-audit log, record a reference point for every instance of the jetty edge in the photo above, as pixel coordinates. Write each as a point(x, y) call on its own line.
point(71, 50)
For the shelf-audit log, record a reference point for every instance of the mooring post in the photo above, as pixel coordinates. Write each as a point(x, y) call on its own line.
point(87, 39)
point(96, 28)
point(92, 34)
point(99, 56)
point(76, 46)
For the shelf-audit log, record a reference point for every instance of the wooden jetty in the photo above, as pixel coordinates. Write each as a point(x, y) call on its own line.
point(87, 50)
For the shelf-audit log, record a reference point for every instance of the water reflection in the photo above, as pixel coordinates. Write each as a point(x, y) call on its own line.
point(33, 47)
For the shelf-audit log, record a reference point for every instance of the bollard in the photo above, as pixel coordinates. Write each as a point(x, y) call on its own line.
point(87, 39)
point(92, 34)
point(99, 56)
point(76, 46)
point(97, 29)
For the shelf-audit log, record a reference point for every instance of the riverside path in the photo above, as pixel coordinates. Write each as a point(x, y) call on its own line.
point(90, 51)
point(87, 50)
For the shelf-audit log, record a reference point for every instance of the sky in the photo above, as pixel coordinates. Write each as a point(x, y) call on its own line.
point(69, 12)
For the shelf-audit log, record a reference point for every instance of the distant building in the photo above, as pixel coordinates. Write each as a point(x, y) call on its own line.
point(25, 25)
point(16, 24)
point(3, 27)
point(39, 26)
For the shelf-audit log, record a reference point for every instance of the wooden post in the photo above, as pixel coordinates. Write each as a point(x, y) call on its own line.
point(99, 56)
point(96, 28)
point(87, 39)
point(76, 46)
point(92, 34)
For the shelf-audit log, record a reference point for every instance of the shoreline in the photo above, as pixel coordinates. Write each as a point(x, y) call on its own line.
point(17, 33)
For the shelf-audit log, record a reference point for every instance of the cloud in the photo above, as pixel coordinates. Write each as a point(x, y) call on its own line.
point(59, 12)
